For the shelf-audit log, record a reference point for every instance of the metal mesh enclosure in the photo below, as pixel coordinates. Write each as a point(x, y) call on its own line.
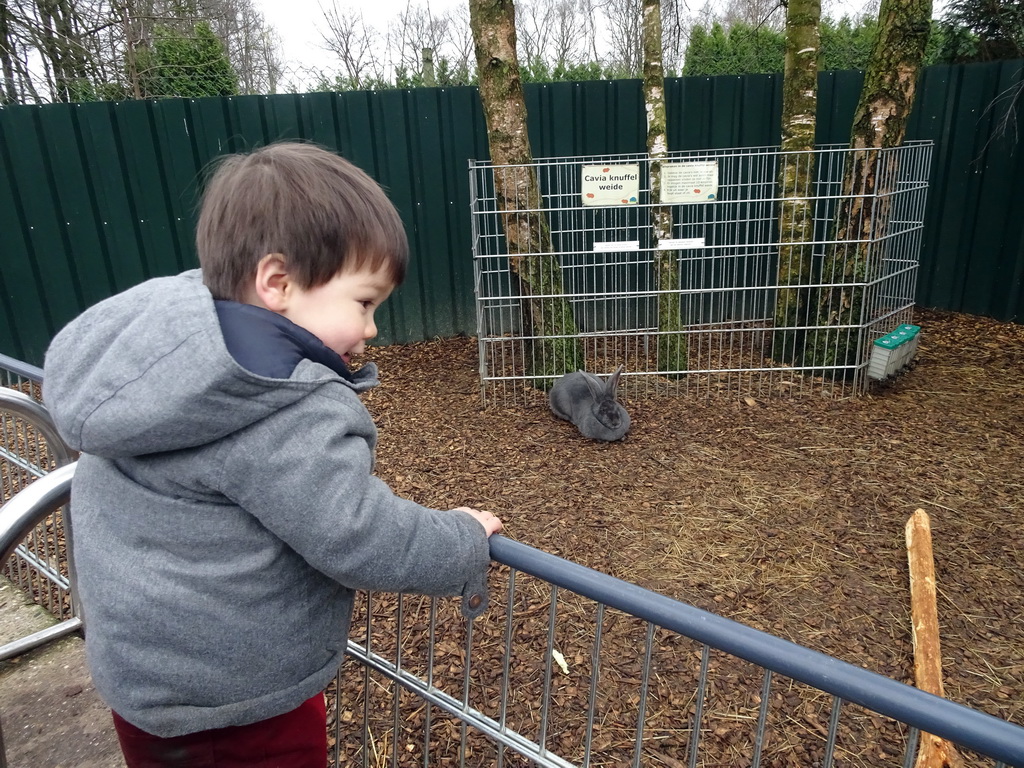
point(754, 290)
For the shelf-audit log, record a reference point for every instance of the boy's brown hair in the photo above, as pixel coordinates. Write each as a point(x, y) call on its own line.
point(318, 210)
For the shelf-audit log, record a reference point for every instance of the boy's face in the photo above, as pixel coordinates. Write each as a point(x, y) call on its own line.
point(340, 312)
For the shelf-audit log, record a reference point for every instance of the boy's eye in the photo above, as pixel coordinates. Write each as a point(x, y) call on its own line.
point(367, 303)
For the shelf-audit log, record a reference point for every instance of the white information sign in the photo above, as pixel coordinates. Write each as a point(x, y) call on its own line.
point(680, 243)
point(689, 182)
point(615, 246)
point(611, 184)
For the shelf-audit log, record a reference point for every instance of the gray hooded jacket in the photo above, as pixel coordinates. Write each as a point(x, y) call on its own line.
point(223, 518)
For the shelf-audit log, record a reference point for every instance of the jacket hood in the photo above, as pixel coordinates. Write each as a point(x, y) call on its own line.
point(148, 370)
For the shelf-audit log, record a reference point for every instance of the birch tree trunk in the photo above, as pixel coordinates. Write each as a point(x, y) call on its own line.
point(556, 348)
point(672, 347)
point(879, 122)
point(796, 176)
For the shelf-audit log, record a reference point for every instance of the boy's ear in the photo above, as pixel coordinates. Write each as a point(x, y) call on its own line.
point(273, 283)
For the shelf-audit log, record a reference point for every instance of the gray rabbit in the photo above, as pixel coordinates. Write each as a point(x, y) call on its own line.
point(590, 403)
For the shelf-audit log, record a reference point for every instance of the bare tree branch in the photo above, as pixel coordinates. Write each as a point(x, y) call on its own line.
point(351, 40)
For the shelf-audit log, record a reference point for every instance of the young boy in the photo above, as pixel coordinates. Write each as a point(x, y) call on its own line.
point(224, 504)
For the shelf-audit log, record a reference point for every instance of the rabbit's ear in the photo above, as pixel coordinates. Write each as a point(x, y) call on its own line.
point(612, 387)
point(595, 386)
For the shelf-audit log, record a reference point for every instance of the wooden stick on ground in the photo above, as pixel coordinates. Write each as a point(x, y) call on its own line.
point(934, 752)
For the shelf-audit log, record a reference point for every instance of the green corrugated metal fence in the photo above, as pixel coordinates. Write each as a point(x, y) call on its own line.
point(972, 256)
point(96, 197)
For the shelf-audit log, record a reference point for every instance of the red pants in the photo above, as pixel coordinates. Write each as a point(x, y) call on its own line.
point(296, 739)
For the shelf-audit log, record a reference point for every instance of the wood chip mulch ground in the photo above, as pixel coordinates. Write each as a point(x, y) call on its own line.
point(784, 514)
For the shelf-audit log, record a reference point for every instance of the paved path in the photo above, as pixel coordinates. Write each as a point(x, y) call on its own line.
point(49, 712)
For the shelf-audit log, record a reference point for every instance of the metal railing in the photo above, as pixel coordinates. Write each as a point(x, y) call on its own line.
point(578, 668)
point(19, 518)
point(15, 373)
point(40, 563)
point(491, 730)
point(572, 667)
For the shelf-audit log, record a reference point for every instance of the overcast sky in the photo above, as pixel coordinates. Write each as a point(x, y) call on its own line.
point(299, 22)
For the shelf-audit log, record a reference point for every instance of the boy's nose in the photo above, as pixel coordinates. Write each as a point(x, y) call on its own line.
point(370, 330)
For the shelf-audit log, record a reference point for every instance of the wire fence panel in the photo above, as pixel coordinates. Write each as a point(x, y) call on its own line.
point(775, 274)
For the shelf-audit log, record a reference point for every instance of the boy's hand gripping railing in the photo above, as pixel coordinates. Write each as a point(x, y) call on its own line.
point(34, 416)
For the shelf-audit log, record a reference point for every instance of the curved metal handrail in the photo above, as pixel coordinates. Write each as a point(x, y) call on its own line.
point(18, 517)
point(20, 404)
point(30, 506)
